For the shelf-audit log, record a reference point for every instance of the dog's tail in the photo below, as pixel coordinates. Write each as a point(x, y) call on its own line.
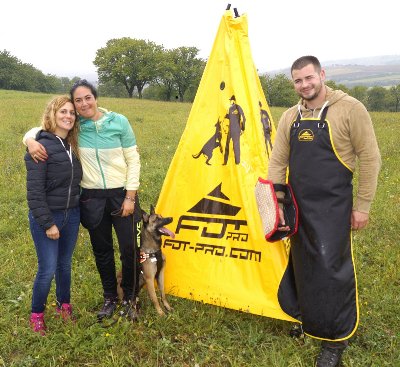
point(197, 155)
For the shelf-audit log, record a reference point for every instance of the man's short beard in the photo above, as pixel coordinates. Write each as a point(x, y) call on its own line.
point(314, 96)
point(311, 98)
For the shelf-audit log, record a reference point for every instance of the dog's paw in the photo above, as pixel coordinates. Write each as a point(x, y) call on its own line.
point(167, 306)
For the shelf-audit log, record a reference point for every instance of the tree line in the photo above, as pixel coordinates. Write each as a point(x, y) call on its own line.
point(128, 67)
point(16, 75)
point(279, 92)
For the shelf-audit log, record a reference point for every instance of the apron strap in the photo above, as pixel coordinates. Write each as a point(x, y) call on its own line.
point(323, 112)
point(321, 116)
point(299, 116)
point(296, 124)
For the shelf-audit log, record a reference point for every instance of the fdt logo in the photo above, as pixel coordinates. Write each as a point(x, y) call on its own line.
point(212, 222)
point(306, 135)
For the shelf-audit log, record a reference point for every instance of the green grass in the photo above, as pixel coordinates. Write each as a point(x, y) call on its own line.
point(195, 334)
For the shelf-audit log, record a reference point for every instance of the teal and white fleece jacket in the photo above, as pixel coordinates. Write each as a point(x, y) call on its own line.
point(108, 153)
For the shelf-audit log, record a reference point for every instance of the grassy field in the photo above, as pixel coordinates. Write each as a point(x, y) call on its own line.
point(195, 334)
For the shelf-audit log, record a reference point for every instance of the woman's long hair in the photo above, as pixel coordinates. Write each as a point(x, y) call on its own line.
point(49, 121)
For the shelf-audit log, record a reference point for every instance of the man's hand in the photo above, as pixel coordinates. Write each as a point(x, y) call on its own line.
point(359, 220)
point(282, 225)
point(36, 150)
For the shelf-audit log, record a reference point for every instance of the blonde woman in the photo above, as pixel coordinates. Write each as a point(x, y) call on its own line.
point(54, 214)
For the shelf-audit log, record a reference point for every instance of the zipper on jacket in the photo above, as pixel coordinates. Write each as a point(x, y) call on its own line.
point(98, 159)
point(69, 153)
point(70, 183)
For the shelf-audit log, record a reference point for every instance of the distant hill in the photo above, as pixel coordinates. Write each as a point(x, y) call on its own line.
point(369, 71)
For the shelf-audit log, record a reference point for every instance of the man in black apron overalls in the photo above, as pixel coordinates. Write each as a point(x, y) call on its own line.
point(319, 285)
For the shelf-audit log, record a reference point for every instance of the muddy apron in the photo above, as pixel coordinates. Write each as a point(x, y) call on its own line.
point(319, 285)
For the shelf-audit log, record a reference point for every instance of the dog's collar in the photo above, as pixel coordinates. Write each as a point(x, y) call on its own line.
point(152, 255)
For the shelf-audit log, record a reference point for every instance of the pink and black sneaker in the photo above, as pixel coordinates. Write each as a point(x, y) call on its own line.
point(65, 311)
point(37, 323)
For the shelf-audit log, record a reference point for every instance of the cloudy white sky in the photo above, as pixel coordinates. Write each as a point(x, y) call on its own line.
point(62, 37)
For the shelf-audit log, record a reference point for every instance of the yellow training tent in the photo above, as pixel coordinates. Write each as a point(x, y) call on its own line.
point(219, 254)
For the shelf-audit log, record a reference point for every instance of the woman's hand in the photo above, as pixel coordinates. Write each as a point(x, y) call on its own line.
point(36, 150)
point(128, 207)
point(53, 232)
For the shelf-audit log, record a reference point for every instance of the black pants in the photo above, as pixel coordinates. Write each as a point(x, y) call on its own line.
point(335, 345)
point(101, 237)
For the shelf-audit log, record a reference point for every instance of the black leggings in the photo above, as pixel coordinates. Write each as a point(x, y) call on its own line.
point(101, 238)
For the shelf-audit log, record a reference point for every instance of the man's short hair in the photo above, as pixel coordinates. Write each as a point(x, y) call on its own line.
point(303, 61)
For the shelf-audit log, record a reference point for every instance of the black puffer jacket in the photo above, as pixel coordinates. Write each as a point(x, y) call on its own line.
point(53, 184)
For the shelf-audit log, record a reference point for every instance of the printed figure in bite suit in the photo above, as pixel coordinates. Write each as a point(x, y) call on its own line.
point(237, 122)
point(266, 123)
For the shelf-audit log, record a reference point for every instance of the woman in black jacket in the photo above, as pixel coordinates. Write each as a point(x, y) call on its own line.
point(53, 200)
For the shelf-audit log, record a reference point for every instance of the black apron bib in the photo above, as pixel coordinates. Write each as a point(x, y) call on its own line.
point(319, 285)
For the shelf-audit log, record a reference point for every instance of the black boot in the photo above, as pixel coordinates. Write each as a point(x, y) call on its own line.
point(108, 309)
point(329, 357)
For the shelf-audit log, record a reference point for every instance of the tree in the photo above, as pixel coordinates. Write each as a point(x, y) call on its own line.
point(191, 92)
point(130, 62)
point(360, 92)
point(395, 94)
point(8, 65)
point(332, 84)
point(278, 90)
point(65, 85)
point(112, 89)
point(377, 99)
point(186, 69)
point(165, 80)
point(17, 75)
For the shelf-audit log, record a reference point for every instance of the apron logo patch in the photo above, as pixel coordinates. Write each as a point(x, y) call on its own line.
point(306, 135)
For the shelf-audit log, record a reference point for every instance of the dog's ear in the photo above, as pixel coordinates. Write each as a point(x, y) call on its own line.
point(152, 211)
point(145, 216)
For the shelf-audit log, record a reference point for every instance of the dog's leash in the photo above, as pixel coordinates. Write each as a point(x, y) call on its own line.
point(136, 258)
point(106, 322)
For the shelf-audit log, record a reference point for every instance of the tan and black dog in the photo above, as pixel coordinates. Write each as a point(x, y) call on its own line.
point(152, 260)
point(151, 257)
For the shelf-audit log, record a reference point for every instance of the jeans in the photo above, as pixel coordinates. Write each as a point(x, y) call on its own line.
point(54, 257)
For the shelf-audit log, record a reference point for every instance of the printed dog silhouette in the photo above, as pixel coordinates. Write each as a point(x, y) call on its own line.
point(211, 144)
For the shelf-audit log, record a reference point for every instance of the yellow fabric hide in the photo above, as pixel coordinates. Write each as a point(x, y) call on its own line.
point(219, 254)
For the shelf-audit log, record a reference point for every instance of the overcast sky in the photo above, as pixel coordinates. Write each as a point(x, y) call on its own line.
point(62, 37)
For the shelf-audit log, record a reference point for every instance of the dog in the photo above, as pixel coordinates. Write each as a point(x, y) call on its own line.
point(211, 144)
point(152, 260)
